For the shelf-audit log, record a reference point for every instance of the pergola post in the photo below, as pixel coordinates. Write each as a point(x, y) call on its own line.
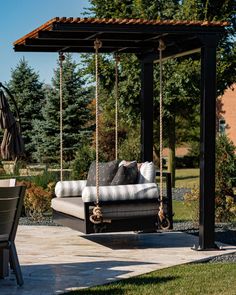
point(207, 144)
point(146, 111)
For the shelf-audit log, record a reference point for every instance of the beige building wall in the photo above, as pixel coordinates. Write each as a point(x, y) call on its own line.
point(229, 112)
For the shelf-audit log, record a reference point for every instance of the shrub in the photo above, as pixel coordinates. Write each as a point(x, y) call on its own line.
point(191, 199)
point(129, 149)
point(225, 206)
point(187, 162)
point(45, 179)
point(225, 178)
point(37, 200)
point(82, 161)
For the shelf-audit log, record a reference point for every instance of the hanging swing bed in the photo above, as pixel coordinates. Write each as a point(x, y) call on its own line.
point(117, 195)
point(143, 38)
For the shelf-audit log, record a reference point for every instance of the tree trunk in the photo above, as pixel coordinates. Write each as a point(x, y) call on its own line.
point(171, 154)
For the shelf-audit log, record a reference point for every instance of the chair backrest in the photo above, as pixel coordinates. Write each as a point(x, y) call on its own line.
point(7, 182)
point(11, 201)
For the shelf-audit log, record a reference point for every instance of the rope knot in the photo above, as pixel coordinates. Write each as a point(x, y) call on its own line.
point(117, 58)
point(161, 214)
point(162, 45)
point(164, 220)
point(96, 217)
point(61, 56)
point(97, 44)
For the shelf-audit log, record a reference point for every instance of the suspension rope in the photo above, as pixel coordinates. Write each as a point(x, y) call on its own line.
point(61, 59)
point(161, 209)
point(117, 61)
point(96, 217)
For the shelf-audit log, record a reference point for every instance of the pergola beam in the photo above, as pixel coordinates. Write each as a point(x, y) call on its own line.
point(93, 35)
point(90, 43)
point(133, 29)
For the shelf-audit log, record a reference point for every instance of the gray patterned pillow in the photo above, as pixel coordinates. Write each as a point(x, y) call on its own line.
point(107, 171)
point(126, 174)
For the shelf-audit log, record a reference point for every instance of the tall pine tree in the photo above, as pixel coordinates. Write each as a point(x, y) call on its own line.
point(76, 115)
point(29, 95)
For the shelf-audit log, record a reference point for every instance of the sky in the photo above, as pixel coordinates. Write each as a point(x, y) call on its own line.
point(19, 17)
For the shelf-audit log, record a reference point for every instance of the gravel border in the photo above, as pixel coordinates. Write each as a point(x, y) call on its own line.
point(45, 221)
point(179, 192)
point(225, 258)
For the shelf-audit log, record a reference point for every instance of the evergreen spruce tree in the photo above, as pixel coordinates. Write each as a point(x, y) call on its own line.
point(29, 95)
point(76, 115)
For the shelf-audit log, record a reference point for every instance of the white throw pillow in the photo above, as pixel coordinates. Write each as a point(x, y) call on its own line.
point(147, 173)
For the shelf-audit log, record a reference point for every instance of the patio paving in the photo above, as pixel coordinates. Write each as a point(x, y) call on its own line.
point(57, 259)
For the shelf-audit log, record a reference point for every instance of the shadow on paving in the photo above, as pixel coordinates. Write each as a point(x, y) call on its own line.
point(50, 279)
point(225, 236)
point(142, 241)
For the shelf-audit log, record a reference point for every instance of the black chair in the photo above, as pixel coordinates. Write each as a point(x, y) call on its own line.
point(11, 201)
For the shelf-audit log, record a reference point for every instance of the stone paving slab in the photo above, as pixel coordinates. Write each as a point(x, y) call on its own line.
point(57, 259)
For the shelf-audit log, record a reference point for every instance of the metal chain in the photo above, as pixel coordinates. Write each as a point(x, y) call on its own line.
point(117, 59)
point(61, 59)
point(161, 209)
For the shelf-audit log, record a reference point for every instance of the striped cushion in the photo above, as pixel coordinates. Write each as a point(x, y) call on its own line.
point(147, 173)
point(69, 188)
point(121, 192)
point(7, 182)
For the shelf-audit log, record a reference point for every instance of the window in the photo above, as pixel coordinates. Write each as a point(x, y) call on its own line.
point(222, 126)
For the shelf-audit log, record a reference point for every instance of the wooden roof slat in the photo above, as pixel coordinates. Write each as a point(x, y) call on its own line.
point(34, 32)
point(142, 21)
point(126, 35)
point(74, 20)
point(71, 20)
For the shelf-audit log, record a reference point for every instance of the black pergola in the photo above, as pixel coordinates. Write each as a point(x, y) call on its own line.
point(141, 37)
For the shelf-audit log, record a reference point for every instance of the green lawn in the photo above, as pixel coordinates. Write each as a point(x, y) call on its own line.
point(187, 177)
point(183, 280)
point(181, 211)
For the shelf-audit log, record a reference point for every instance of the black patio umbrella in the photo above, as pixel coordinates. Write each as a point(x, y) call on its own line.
point(12, 145)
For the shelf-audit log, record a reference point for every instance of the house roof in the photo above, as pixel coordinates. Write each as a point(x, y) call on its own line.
point(117, 35)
